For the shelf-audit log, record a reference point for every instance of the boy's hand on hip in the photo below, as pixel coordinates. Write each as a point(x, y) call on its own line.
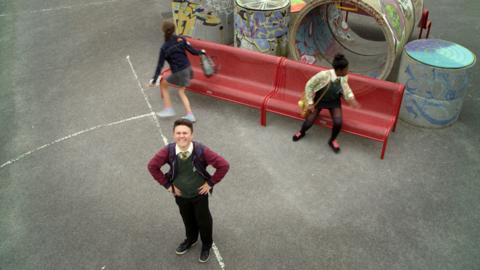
point(204, 189)
point(174, 190)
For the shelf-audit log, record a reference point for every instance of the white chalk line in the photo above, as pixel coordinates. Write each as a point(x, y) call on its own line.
point(24, 155)
point(219, 257)
point(59, 8)
point(152, 113)
point(165, 141)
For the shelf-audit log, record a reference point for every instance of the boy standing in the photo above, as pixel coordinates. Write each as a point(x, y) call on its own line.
point(190, 183)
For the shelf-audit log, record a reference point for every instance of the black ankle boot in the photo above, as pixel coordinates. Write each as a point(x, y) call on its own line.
point(297, 136)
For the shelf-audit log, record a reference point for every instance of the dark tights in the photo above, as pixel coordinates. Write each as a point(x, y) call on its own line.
point(335, 113)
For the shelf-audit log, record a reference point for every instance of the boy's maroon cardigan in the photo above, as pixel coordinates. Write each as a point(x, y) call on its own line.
point(211, 158)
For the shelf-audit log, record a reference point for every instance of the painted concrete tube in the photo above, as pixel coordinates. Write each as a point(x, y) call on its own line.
point(436, 74)
point(321, 30)
point(262, 25)
point(418, 9)
point(204, 19)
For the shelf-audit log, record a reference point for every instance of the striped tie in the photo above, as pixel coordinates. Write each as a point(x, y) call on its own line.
point(183, 155)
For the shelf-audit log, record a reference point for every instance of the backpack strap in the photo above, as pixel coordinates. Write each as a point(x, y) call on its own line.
point(171, 160)
point(198, 149)
point(171, 152)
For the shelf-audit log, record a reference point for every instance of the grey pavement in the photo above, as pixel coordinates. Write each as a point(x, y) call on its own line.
point(76, 193)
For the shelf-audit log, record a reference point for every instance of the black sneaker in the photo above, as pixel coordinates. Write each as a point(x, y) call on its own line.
point(204, 255)
point(184, 247)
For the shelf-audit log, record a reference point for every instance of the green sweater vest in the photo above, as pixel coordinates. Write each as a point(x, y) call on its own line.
point(187, 179)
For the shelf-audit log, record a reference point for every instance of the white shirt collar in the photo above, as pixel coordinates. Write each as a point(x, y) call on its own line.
point(333, 76)
point(189, 149)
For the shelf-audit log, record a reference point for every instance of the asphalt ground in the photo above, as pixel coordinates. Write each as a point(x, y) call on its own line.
point(77, 133)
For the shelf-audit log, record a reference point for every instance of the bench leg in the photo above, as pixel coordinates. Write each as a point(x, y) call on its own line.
point(263, 117)
point(384, 148)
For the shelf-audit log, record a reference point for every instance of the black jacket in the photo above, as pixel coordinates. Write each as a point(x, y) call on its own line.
point(173, 50)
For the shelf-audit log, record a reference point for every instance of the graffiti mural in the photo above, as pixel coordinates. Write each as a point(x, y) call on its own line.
point(407, 8)
point(184, 16)
point(220, 6)
point(371, 56)
point(433, 97)
point(430, 112)
point(338, 24)
point(205, 19)
point(392, 11)
point(297, 5)
point(263, 31)
point(314, 38)
point(436, 83)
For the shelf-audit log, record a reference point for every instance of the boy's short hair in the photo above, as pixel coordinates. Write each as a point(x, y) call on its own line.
point(183, 122)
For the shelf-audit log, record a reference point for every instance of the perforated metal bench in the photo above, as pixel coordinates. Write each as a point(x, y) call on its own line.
point(274, 84)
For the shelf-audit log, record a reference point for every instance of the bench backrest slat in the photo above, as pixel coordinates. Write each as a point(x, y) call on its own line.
point(373, 94)
point(253, 68)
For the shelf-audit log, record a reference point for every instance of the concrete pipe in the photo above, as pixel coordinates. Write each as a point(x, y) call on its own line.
point(436, 74)
point(322, 29)
point(262, 25)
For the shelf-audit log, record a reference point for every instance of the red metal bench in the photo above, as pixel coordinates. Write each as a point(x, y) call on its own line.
point(243, 76)
point(379, 100)
point(275, 84)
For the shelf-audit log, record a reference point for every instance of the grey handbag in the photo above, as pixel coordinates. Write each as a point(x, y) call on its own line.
point(208, 66)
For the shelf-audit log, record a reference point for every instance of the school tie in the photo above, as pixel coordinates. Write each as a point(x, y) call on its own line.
point(183, 155)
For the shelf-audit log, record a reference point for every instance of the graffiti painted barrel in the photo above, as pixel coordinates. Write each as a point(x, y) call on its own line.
point(436, 74)
point(262, 25)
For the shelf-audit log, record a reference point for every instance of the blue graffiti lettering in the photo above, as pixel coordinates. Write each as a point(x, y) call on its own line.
point(411, 110)
point(430, 119)
point(409, 82)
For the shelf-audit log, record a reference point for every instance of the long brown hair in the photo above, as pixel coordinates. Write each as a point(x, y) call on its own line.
point(168, 29)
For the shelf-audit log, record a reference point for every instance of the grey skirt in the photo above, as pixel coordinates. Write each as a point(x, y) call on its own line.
point(181, 78)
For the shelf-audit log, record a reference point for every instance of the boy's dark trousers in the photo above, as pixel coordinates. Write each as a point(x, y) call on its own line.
point(196, 218)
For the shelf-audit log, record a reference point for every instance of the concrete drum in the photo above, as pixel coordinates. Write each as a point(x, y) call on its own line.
point(436, 76)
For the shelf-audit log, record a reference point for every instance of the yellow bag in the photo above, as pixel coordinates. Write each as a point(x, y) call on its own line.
point(303, 103)
point(303, 106)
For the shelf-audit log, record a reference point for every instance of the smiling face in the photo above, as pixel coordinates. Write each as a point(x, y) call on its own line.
point(183, 136)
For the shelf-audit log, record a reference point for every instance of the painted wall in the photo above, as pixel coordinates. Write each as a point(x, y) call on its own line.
point(204, 19)
point(263, 31)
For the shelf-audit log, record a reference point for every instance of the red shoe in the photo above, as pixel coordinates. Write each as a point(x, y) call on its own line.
point(334, 145)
